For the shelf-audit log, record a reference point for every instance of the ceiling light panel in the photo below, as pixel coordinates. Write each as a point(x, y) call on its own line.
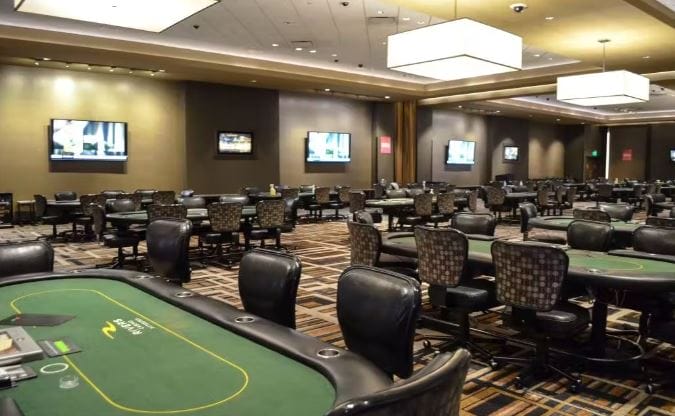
point(148, 15)
point(603, 88)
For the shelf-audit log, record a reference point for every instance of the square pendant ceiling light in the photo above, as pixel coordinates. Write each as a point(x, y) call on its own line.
point(457, 49)
point(149, 15)
point(603, 88)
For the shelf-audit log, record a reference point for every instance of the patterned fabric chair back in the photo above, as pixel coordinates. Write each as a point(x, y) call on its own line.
point(97, 213)
point(343, 194)
point(446, 203)
point(357, 201)
point(322, 195)
point(225, 217)
point(571, 195)
point(136, 198)
point(441, 253)
point(542, 196)
point(365, 244)
point(495, 196)
point(177, 211)
point(605, 190)
point(290, 193)
point(591, 215)
point(560, 193)
point(379, 191)
point(651, 188)
point(661, 222)
point(472, 201)
point(637, 189)
point(364, 217)
point(271, 213)
point(164, 198)
point(88, 199)
point(424, 204)
point(529, 276)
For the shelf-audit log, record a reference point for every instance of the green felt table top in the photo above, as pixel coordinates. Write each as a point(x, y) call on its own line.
point(583, 261)
point(154, 358)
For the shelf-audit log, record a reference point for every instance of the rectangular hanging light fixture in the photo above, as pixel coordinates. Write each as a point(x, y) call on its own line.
point(149, 15)
point(603, 88)
point(457, 49)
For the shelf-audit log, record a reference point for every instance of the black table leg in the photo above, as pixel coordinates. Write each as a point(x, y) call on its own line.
point(390, 221)
point(599, 327)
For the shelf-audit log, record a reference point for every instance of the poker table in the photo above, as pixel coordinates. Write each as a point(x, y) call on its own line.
point(125, 219)
point(394, 206)
point(604, 274)
point(623, 230)
point(150, 347)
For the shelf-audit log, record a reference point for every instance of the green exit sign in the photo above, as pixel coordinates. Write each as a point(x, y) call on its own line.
point(594, 153)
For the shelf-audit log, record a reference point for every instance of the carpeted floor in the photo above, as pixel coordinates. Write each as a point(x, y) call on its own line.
point(324, 251)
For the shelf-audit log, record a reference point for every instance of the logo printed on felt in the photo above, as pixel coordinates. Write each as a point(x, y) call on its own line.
point(109, 329)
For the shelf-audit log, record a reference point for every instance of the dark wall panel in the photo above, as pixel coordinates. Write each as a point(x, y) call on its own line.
point(623, 138)
point(662, 141)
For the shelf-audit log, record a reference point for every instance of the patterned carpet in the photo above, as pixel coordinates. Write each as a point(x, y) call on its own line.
point(324, 251)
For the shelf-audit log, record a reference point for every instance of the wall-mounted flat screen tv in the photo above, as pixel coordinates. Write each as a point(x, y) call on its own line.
point(328, 147)
point(511, 153)
point(235, 143)
point(461, 152)
point(88, 140)
point(672, 155)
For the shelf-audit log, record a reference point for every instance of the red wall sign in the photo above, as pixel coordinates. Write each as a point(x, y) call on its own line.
point(627, 155)
point(385, 145)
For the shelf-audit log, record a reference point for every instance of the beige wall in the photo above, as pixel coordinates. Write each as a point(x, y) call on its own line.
point(300, 113)
point(546, 151)
point(30, 97)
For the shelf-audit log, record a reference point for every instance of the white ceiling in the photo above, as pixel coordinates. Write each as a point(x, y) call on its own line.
point(353, 35)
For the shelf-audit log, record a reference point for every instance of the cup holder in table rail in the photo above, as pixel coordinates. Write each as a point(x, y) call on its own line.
point(143, 276)
point(184, 294)
point(244, 319)
point(328, 353)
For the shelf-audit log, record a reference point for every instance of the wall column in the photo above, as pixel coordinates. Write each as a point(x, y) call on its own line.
point(405, 145)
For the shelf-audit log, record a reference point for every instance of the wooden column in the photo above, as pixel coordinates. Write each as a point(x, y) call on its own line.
point(405, 144)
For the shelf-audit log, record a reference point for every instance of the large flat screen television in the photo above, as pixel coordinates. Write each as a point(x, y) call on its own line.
point(235, 143)
point(672, 155)
point(461, 152)
point(328, 147)
point(88, 140)
point(511, 153)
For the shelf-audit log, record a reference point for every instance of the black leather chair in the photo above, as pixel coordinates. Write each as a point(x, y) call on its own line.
point(596, 215)
point(655, 240)
point(115, 239)
point(242, 199)
point(661, 222)
point(621, 212)
point(136, 198)
point(85, 220)
point(42, 217)
point(122, 205)
point(185, 193)
point(378, 311)
point(268, 285)
point(65, 196)
point(435, 390)
point(26, 258)
point(366, 250)
point(396, 193)
point(357, 203)
point(112, 194)
point(442, 255)
point(529, 279)
point(672, 212)
point(590, 235)
point(528, 211)
point(168, 241)
point(192, 202)
point(145, 193)
point(605, 193)
point(477, 224)
point(650, 203)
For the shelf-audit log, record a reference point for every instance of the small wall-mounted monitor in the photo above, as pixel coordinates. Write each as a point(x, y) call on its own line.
point(461, 152)
point(511, 153)
point(672, 155)
point(234, 143)
point(328, 147)
point(88, 140)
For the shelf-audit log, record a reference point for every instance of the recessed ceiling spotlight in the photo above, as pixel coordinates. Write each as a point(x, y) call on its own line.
point(152, 73)
point(67, 64)
point(334, 55)
point(254, 81)
point(380, 12)
point(557, 119)
point(312, 51)
point(162, 70)
point(646, 57)
point(421, 22)
point(459, 106)
point(298, 49)
point(537, 55)
point(549, 18)
point(386, 97)
point(405, 19)
point(327, 89)
point(46, 59)
point(550, 58)
point(36, 62)
point(131, 71)
point(88, 67)
point(384, 43)
point(112, 69)
point(498, 111)
point(276, 45)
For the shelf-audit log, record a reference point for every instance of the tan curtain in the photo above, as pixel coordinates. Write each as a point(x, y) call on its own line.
point(405, 145)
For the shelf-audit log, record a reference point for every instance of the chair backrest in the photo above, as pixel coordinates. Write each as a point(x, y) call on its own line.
point(26, 258)
point(65, 196)
point(529, 276)
point(176, 211)
point(424, 204)
point(394, 185)
point(122, 205)
point(527, 211)
point(397, 193)
point(484, 224)
point(446, 203)
point(306, 188)
point(571, 195)
point(168, 241)
point(357, 201)
point(268, 285)
point(193, 202)
point(164, 198)
point(225, 217)
point(322, 195)
point(560, 193)
point(271, 213)
point(637, 191)
point(136, 198)
point(410, 193)
point(187, 193)
point(365, 243)
point(495, 196)
point(605, 190)
point(441, 254)
point(145, 193)
point(435, 390)
point(364, 217)
point(655, 240)
point(88, 199)
point(622, 212)
point(661, 222)
point(379, 191)
point(378, 311)
point(112, 193)
point(242, 199)
point(672, 212)
point(591, 215)
point(472, 201)
point(542, 196)
point(590, 235)
point(290, 193)
point(343, 194)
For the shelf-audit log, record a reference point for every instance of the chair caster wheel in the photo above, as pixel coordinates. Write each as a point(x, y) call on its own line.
point(575, 387)
point(493, 364)
point(518, 384)
point(649, 389)
point(426, 344)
